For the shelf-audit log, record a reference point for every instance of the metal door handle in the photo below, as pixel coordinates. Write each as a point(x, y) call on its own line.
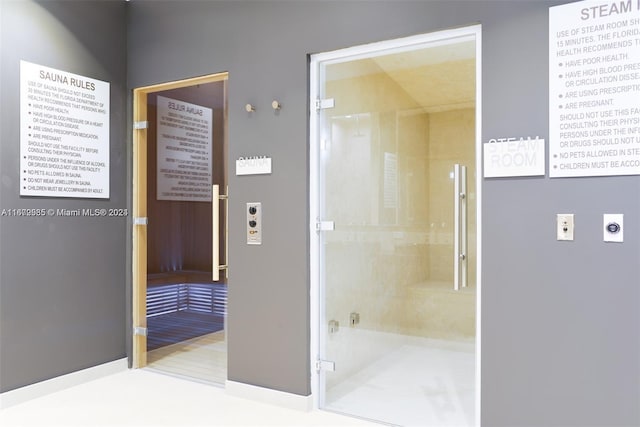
point(216, 197)
point(460, 227)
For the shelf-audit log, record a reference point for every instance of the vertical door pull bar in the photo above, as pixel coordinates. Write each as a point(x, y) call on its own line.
point(463, 226)
point(456, 227)
point(460, 227)
point(215, 238)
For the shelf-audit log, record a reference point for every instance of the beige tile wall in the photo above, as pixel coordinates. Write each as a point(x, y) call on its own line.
point(395, 266)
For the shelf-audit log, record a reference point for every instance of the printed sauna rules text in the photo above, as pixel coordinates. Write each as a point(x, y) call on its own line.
point(64, 134)
point(594, 88)
point(184, 151)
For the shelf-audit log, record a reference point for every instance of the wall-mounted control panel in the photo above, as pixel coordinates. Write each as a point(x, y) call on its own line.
point(564, 226)
point(612, 227)
point(254, 223)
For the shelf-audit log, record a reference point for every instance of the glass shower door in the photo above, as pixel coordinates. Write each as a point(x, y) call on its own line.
point(397, 221)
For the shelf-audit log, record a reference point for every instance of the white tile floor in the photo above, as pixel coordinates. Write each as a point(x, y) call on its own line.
point(145, 398)
point(415, 385)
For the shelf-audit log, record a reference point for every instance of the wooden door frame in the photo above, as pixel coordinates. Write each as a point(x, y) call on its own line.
point(139, 234)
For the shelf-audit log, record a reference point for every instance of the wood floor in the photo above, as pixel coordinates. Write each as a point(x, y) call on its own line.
point(203, 358)
point(180, 326)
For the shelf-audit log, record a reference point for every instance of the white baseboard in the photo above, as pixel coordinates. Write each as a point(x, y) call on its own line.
point(33, 391)
point(266, 395)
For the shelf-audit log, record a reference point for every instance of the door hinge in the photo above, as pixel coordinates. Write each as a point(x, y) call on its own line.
point(140, 331)
point(325, 226)
point(322, 104)
point(141, 220)
point(325, 365)
point(141, 125)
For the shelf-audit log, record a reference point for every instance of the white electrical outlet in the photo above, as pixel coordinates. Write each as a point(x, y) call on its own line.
point(564, 226)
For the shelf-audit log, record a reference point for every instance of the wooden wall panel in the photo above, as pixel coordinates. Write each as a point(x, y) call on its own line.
point(179, 231)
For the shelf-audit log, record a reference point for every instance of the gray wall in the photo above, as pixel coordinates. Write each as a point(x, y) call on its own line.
point(560, 322)
point(62, 280)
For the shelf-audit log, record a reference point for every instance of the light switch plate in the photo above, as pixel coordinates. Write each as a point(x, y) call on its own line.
point(564, 226)
point(612, 228)
point(254, 223)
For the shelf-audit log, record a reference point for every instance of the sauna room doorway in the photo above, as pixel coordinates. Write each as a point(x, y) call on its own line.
point(180, 234)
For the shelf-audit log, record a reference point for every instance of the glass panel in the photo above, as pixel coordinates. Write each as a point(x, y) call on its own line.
point(186, 310)
point(401, 337)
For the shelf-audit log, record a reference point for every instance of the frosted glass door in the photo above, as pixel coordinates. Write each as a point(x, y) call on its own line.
point(397, 242)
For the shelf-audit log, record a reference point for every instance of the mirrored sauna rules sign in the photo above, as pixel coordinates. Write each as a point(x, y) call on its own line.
point(185, 133)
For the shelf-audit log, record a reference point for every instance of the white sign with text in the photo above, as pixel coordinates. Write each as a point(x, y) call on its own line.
point(64, 134)
point(503, 157)
point(594, 88)
point(253, 165)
